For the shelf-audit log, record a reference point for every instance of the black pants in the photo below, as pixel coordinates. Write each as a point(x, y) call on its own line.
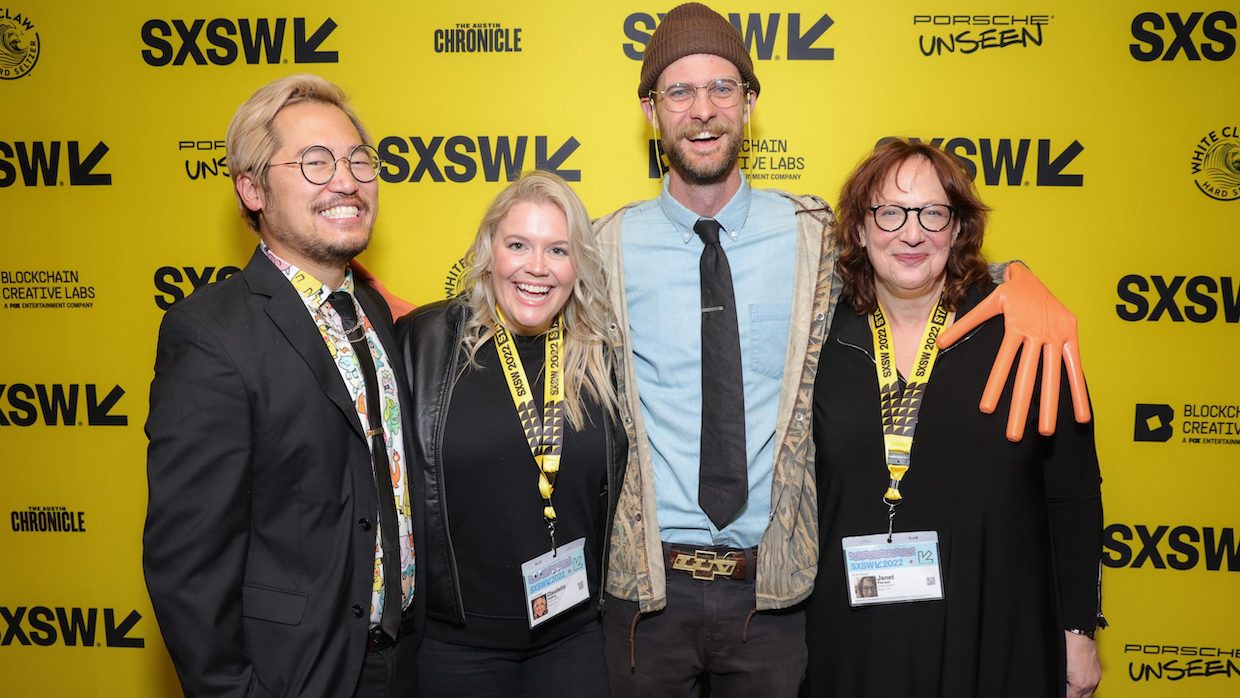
point(706, 631)
point(389, 673)
point(569, 668)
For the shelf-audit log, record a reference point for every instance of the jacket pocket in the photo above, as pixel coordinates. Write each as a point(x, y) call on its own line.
point(768, 338)
point(275, 605)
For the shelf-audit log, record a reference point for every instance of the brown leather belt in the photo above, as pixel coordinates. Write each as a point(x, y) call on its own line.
point(709, 565)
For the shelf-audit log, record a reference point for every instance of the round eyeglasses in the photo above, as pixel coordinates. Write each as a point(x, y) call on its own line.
point(318, 164)
point(724, 92)
point(890, 217)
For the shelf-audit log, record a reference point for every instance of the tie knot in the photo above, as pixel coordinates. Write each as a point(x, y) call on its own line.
point(708, 229)
point(342, 301)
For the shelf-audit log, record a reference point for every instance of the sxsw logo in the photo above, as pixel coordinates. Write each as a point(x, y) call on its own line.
point(1153, 422)
point(1180, 547)
point(761, 33)
point(1196, 299)
point(55, 404)
point(460, 158)
point(71, 627)
point(225, 41)
point(1217, 31)
point(172, 282)
point(40, 163)
point(1007, 161)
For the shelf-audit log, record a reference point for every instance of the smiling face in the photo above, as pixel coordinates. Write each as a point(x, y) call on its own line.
point(531, 270)
point(867, 587)
point(911, 262)
point(317, 227)
point(701, 143)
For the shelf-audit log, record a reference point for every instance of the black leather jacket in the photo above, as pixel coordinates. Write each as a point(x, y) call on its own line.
point(429, 340)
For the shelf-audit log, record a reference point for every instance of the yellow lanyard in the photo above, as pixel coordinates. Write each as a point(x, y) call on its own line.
point(545, 434)
point(899, 409)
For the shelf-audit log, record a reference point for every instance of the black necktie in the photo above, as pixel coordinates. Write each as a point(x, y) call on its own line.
point(723, 474)
point(388, 523)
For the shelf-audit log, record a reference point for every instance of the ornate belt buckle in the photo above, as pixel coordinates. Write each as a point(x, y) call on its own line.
point(704, 564)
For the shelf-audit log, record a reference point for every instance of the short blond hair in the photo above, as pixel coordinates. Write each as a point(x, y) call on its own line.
point(251, 140)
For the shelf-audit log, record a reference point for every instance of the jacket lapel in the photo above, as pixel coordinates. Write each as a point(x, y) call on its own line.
point(378, 313)
point(288, 313)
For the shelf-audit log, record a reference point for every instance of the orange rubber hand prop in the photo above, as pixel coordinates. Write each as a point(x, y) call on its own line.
point(400, 307)
point(1034, 319)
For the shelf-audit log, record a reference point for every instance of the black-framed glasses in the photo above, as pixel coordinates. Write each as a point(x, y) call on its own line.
point(724, 92)
point(318, 163)
point(934, 218)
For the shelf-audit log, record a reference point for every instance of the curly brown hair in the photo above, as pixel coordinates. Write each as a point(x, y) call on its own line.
point(966, 267)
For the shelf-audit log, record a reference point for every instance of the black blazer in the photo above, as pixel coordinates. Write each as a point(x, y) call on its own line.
point(259, 542)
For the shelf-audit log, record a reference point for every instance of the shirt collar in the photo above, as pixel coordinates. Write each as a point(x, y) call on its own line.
point(732, 216)
point(312, 291)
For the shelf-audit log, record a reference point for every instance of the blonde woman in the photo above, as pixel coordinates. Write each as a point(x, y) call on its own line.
point(514, 429)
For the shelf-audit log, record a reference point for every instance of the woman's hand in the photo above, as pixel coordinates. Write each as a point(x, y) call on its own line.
point(1084, 670)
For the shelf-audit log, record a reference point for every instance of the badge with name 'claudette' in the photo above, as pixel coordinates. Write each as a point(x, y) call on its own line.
point(555, 581)
point(900, 571)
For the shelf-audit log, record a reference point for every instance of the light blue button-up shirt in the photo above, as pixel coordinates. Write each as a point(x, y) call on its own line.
point(663, 288)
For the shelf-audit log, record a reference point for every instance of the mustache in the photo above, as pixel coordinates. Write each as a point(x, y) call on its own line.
point(712, 127)
point(341, 200)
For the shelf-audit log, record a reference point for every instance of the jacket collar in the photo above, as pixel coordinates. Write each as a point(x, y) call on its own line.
point(289, 314)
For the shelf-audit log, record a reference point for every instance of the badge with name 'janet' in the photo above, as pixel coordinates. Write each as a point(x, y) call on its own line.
point(555, 582)
point(904, 570)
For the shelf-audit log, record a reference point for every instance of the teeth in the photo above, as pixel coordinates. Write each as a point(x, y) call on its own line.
point(534, 289)
point(340, 212)
point(703, 136)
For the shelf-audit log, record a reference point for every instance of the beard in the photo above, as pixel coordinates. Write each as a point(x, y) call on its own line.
point(308, 241)
point(697, 171)
point(334, 252)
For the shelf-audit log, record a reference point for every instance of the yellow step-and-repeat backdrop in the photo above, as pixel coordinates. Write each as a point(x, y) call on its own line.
point(1105, 135)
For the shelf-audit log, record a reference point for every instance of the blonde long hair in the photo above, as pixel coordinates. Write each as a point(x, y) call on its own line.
point(586, 315)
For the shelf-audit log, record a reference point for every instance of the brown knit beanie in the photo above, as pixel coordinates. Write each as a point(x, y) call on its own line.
point(694, 28)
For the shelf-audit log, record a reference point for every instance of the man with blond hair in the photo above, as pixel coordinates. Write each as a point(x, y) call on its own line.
point(279, 536)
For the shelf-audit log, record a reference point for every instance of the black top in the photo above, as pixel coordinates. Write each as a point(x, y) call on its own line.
point(495, 511)
point(1019, 529)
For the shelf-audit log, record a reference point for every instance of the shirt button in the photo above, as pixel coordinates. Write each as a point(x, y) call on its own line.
point(821, 316)
point(800, 416)
point(357, 611)
point(363, 524)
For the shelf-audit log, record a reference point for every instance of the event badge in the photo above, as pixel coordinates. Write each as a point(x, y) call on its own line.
point(906, 569)
point(555, 581)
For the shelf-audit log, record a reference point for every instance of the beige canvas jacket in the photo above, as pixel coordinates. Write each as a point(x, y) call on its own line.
point(788, 551)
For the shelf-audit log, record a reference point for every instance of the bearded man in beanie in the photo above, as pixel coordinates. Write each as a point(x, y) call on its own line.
point(726, 292)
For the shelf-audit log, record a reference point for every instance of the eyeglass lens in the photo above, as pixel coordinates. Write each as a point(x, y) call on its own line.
point(933, 218)
point(318, 164)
